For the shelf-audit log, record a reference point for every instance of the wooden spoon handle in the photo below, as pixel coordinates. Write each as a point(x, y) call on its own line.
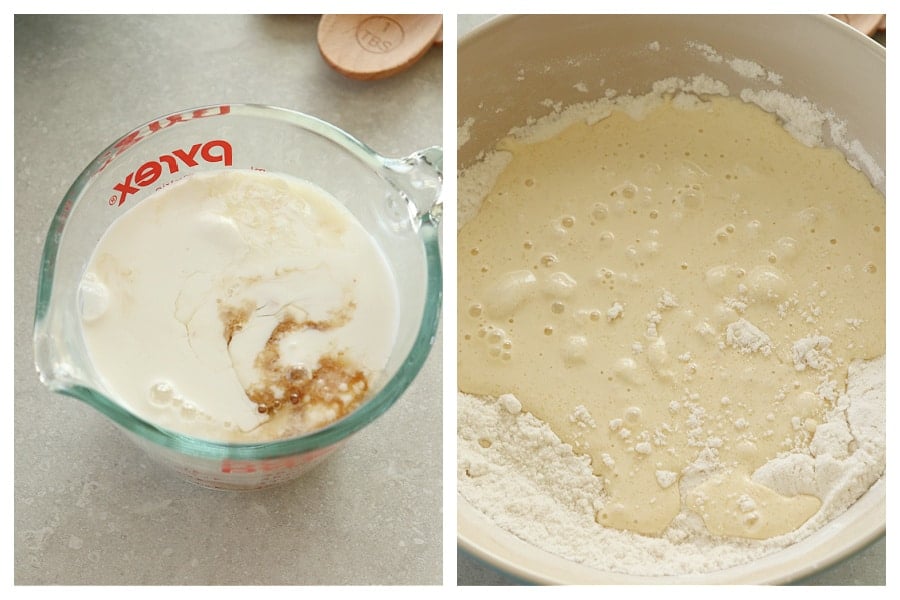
point(376, 46)
point(868, 24)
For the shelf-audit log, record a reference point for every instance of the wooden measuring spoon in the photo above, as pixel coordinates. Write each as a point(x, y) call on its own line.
point(868, 24)
point(376, 46)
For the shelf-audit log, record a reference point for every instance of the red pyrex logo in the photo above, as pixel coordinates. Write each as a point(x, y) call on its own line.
point(212, 151)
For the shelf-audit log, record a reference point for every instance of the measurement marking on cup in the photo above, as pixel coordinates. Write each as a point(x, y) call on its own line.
point(274, 464)
point(156, 126)
point(379, 34)
point(147, 174)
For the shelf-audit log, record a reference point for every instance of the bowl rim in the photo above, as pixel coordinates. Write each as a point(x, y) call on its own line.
point(499, 20)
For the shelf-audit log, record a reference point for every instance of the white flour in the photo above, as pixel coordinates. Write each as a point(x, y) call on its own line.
point(515, 470)
point(463, 133)
point(747, 337)
point(803, 120)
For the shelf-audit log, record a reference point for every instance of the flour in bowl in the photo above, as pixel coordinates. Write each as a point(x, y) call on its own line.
point(661, 348)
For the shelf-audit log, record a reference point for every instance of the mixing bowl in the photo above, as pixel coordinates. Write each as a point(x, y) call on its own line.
point(395, 199)
point(516, 68)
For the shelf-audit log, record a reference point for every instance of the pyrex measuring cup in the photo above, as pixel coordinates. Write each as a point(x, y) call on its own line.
point(395, 199)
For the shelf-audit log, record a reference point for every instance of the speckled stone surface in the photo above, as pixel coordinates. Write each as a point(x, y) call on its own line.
point(89, 507)
point(867, 567)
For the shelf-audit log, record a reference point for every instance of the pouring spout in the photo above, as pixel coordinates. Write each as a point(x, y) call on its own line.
point(418, 177)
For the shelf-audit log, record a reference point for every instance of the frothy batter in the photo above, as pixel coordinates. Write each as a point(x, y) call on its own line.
point(679, 297)
point(239, 305)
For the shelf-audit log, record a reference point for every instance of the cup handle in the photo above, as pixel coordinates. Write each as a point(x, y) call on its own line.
point(418, 177)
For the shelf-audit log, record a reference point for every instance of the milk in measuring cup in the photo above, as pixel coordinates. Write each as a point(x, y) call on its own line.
point(239, 306)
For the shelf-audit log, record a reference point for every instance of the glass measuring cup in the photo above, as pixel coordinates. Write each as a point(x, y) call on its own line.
point(395, 199)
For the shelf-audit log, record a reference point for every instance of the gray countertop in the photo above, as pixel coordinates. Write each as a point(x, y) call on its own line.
point(90, 508)
point(866, 567)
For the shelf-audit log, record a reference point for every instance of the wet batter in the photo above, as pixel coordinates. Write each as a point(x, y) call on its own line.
point(679, 297)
